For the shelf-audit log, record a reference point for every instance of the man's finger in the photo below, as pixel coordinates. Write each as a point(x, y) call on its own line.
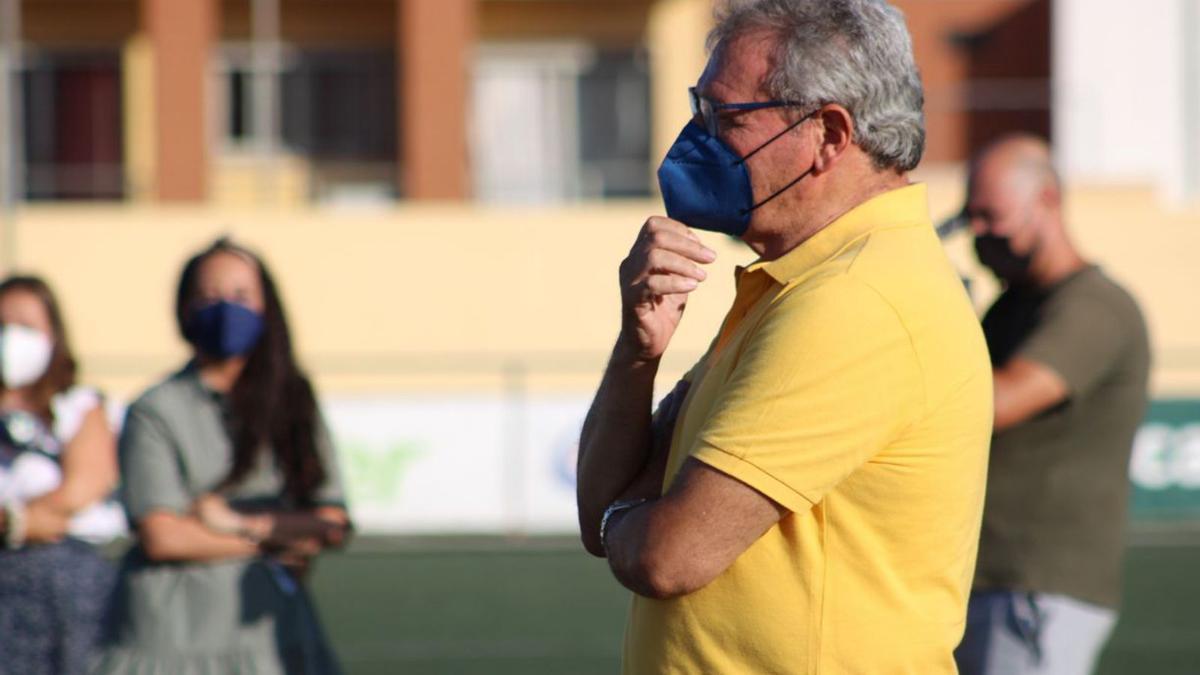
point(662, 261)
point(675, 236)
point(682, 245)
point(670, 284)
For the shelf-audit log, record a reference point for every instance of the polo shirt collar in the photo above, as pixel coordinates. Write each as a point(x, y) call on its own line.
point(903, 206)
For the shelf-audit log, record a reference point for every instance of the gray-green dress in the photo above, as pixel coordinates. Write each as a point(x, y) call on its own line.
point(220, 618)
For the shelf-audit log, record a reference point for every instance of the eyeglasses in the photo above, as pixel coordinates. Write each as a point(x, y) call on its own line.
point(707, 109)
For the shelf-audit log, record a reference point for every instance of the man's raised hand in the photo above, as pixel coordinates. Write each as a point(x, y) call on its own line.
point(661, 269)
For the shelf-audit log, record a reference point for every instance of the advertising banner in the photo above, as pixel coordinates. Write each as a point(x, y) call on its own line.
point(496, 463)
point(451, 463)
point(1165, 466)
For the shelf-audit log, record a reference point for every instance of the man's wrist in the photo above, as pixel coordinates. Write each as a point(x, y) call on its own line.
point(629, 353)
point(612, 514)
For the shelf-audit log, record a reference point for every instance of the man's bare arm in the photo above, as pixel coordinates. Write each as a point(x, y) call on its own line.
point(677, 544)
point(1024, 389)
point(662, 268)
point(615, 442)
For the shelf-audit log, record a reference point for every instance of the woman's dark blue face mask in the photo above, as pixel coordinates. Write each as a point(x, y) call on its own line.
point(706, 185)
point(224, 329)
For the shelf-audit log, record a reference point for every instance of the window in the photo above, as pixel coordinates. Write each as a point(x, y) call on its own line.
point(72, 125)
point(337, 109)
point(240, 122)
point(614, 125)
point(556, 122)
point(341, 105)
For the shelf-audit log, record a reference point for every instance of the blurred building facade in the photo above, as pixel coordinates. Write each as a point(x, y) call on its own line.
point(284, 101)
point(533, 101)
point(279, 101)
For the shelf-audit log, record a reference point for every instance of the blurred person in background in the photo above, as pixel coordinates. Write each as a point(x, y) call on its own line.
point(57, 465)
point(818, 508)
point(1071, 359)
point(229, 476)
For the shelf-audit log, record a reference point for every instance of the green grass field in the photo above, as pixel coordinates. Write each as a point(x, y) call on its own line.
point(543, 606)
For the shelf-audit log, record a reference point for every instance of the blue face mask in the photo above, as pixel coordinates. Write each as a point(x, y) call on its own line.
point(224, 329)
point(706, 185)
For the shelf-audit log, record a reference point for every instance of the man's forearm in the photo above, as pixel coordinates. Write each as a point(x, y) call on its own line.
point(626, 538)
point(640, 554)
point(616, 439)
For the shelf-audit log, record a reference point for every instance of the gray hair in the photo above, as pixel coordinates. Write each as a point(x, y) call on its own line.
point(856, 53)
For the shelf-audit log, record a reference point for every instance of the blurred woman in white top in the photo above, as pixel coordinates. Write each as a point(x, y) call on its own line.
point(57, 469)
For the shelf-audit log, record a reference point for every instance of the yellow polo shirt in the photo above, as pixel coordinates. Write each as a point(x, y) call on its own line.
point(850, 383)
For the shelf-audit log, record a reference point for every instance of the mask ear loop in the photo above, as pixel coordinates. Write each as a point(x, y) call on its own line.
point(769, 141)
point(781, 190)
point(793, 125)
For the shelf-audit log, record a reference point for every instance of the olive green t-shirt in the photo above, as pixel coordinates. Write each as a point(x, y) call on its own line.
point(1058, 484)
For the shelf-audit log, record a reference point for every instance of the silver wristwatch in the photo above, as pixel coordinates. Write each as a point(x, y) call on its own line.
point(614, 508)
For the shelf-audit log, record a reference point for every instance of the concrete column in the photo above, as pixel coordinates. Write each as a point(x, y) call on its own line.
point(675, 39)
point(12, 182)
point(138, 100)
point(265, 22)
point(182, 35)
point(435, 45)
point(12, 174)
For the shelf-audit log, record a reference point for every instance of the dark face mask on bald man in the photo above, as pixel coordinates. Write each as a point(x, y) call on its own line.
point(996, 254)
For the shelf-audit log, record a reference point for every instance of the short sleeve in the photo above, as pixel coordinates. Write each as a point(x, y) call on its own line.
point(1078, 337)
point(151, 477)
point(71, 408)
point(825, 383)
point(331, 492)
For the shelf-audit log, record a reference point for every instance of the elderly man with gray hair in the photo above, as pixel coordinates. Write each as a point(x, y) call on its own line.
point(808, 498)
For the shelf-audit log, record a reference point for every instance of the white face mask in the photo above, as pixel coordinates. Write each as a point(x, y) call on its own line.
point(24, 355)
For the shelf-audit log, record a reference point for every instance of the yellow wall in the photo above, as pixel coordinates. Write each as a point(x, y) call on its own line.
point(454, 297)
point(450, 293)
point(675, 41)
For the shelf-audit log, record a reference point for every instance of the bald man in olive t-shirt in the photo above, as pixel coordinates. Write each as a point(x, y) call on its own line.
point(1071, 360)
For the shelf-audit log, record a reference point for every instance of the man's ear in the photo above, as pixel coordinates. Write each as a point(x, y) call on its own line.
point(1045, 203)
point(836, 126)
point(1050, 197)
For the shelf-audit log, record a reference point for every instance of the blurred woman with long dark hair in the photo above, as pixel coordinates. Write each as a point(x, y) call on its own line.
point(230, 480)
point(57, 463)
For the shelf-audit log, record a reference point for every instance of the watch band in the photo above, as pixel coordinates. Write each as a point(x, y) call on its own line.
point(613, 509)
